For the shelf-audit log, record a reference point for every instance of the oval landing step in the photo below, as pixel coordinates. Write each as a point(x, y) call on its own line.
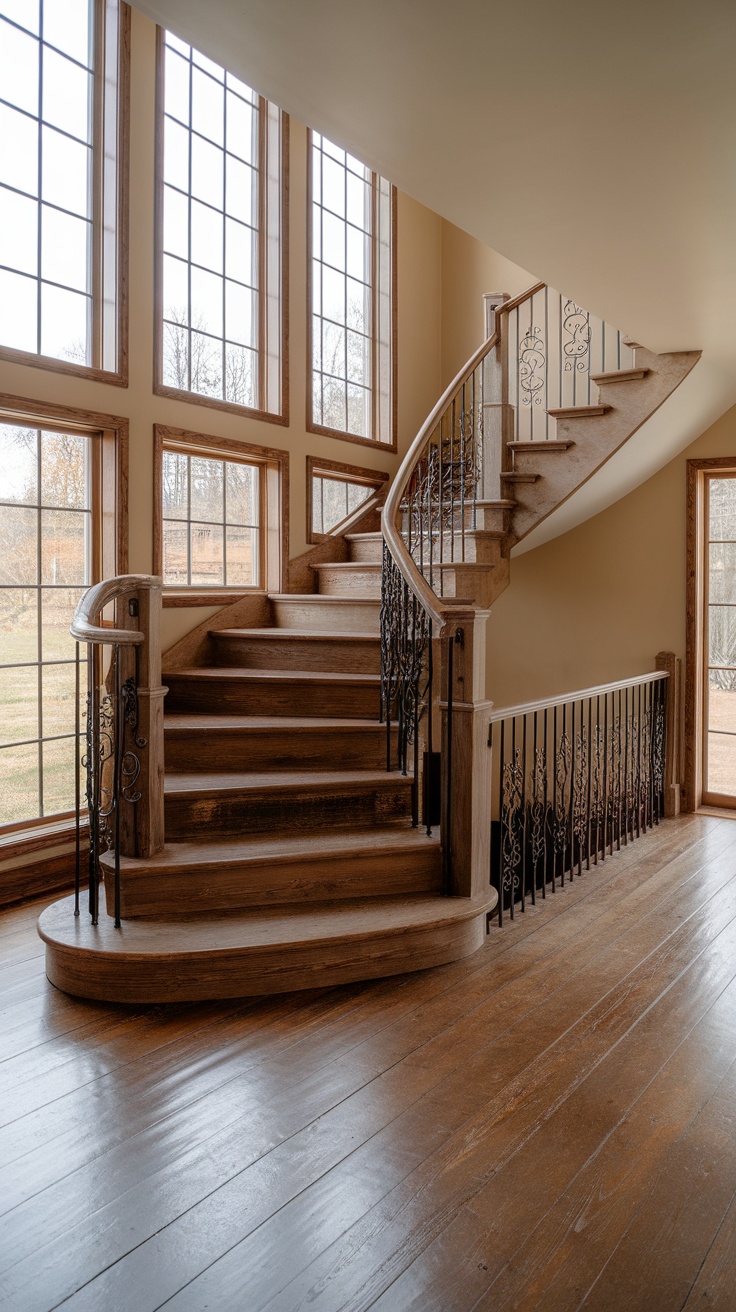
point(259, 951)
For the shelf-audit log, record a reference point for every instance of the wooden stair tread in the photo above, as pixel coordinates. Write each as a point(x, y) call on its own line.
point(363, 537)
point(372, 566)
point(296, 635)
point(244, 674)
point(552, 445)
point(620, 376)
point(179, 721)
point(219, 933)
point(515, 476)
point(579, 411)
point(198, 783)
point(262, 850)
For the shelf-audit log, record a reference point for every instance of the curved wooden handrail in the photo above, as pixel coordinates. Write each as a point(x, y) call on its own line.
point(85, 626)
point(436, 607)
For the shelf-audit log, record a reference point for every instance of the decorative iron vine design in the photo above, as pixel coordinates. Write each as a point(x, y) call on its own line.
point(562, 774)
point(539, 794)
point(404, 646)
point(112, 764)
point(576, 337)
point(445, 482)
point(511, 822)
point(532, 367)
point(566, 801)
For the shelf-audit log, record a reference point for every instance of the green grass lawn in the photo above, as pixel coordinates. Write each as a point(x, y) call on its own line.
point(19, 704)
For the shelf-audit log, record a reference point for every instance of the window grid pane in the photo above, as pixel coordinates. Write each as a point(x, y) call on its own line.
point(334, 498)
point(342, 282)
point(210, 516)
point(46, 544)
point(720, 763)
point(211, 232)
point(46, 97)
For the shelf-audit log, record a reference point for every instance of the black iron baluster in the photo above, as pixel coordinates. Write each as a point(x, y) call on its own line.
point(572, 792)
point(429, 700)
point(77, 797)
point(501, 821)
point(588, 817)
point(446, 838)
point(118, 731)
point(523, 811)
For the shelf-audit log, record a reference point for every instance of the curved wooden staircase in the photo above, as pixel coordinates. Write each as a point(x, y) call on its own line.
point(290, 859)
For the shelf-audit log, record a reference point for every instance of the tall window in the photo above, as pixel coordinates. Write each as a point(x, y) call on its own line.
point(60, 272)
point(46, 561)
point(221, 280)
point(211, 514)
point(352, 296)
point(719, 776)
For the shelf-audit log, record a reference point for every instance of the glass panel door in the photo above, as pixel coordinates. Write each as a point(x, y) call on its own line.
point(719, 783)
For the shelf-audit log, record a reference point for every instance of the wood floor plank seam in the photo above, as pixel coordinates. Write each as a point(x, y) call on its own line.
point(139, 1245)
point(361, 1304)
point(343, 1044)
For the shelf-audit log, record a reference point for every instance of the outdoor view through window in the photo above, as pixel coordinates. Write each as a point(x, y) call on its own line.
point(45, 197)
point(45, 563)
point(220, 236)
point(720, 753)
point(210, 522)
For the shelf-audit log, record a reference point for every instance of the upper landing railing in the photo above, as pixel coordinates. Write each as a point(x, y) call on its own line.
point(554, 352)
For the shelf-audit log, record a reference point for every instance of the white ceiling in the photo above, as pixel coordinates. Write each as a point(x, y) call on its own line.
point(594, 144)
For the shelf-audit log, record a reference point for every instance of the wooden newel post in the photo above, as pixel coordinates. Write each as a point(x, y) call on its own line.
point(142, 822)
point(497, 417)
point(666, 660)
point(466, 756)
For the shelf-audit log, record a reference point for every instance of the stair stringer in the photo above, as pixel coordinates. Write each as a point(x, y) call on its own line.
point(595, 438)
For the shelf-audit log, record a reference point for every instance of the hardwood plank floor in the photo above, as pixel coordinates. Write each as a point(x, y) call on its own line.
point(548, 1124)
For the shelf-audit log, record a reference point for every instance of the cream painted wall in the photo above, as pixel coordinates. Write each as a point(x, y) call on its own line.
point(419, 345)
point(468, 270)
point(598, 603)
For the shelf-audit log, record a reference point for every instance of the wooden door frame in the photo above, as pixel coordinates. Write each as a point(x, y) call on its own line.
point(696, 629)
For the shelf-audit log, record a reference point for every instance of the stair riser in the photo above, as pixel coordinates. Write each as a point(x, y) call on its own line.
point(319, 654)
point(237, 887)
point(342, 702)
point(473, 546)
point(360, 749)
point(312, 613)
point(257, 813)
point(367, 549)
point(334, 582)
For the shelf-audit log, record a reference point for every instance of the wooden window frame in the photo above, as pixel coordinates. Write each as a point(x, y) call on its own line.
point(374, 478)
point(390, 444)
point(109, 550)
point(274, 511)
point(117, 377)
point(696, 621)
point(160, 388)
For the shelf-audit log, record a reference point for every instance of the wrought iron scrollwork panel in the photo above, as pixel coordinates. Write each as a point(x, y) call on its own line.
point(574, 786)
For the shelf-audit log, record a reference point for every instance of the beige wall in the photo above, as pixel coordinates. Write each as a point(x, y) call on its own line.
point(468, 270)
point(598, 603)
point(419, 344)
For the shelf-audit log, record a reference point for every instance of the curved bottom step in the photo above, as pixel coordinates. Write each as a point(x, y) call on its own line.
point(257, 952)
